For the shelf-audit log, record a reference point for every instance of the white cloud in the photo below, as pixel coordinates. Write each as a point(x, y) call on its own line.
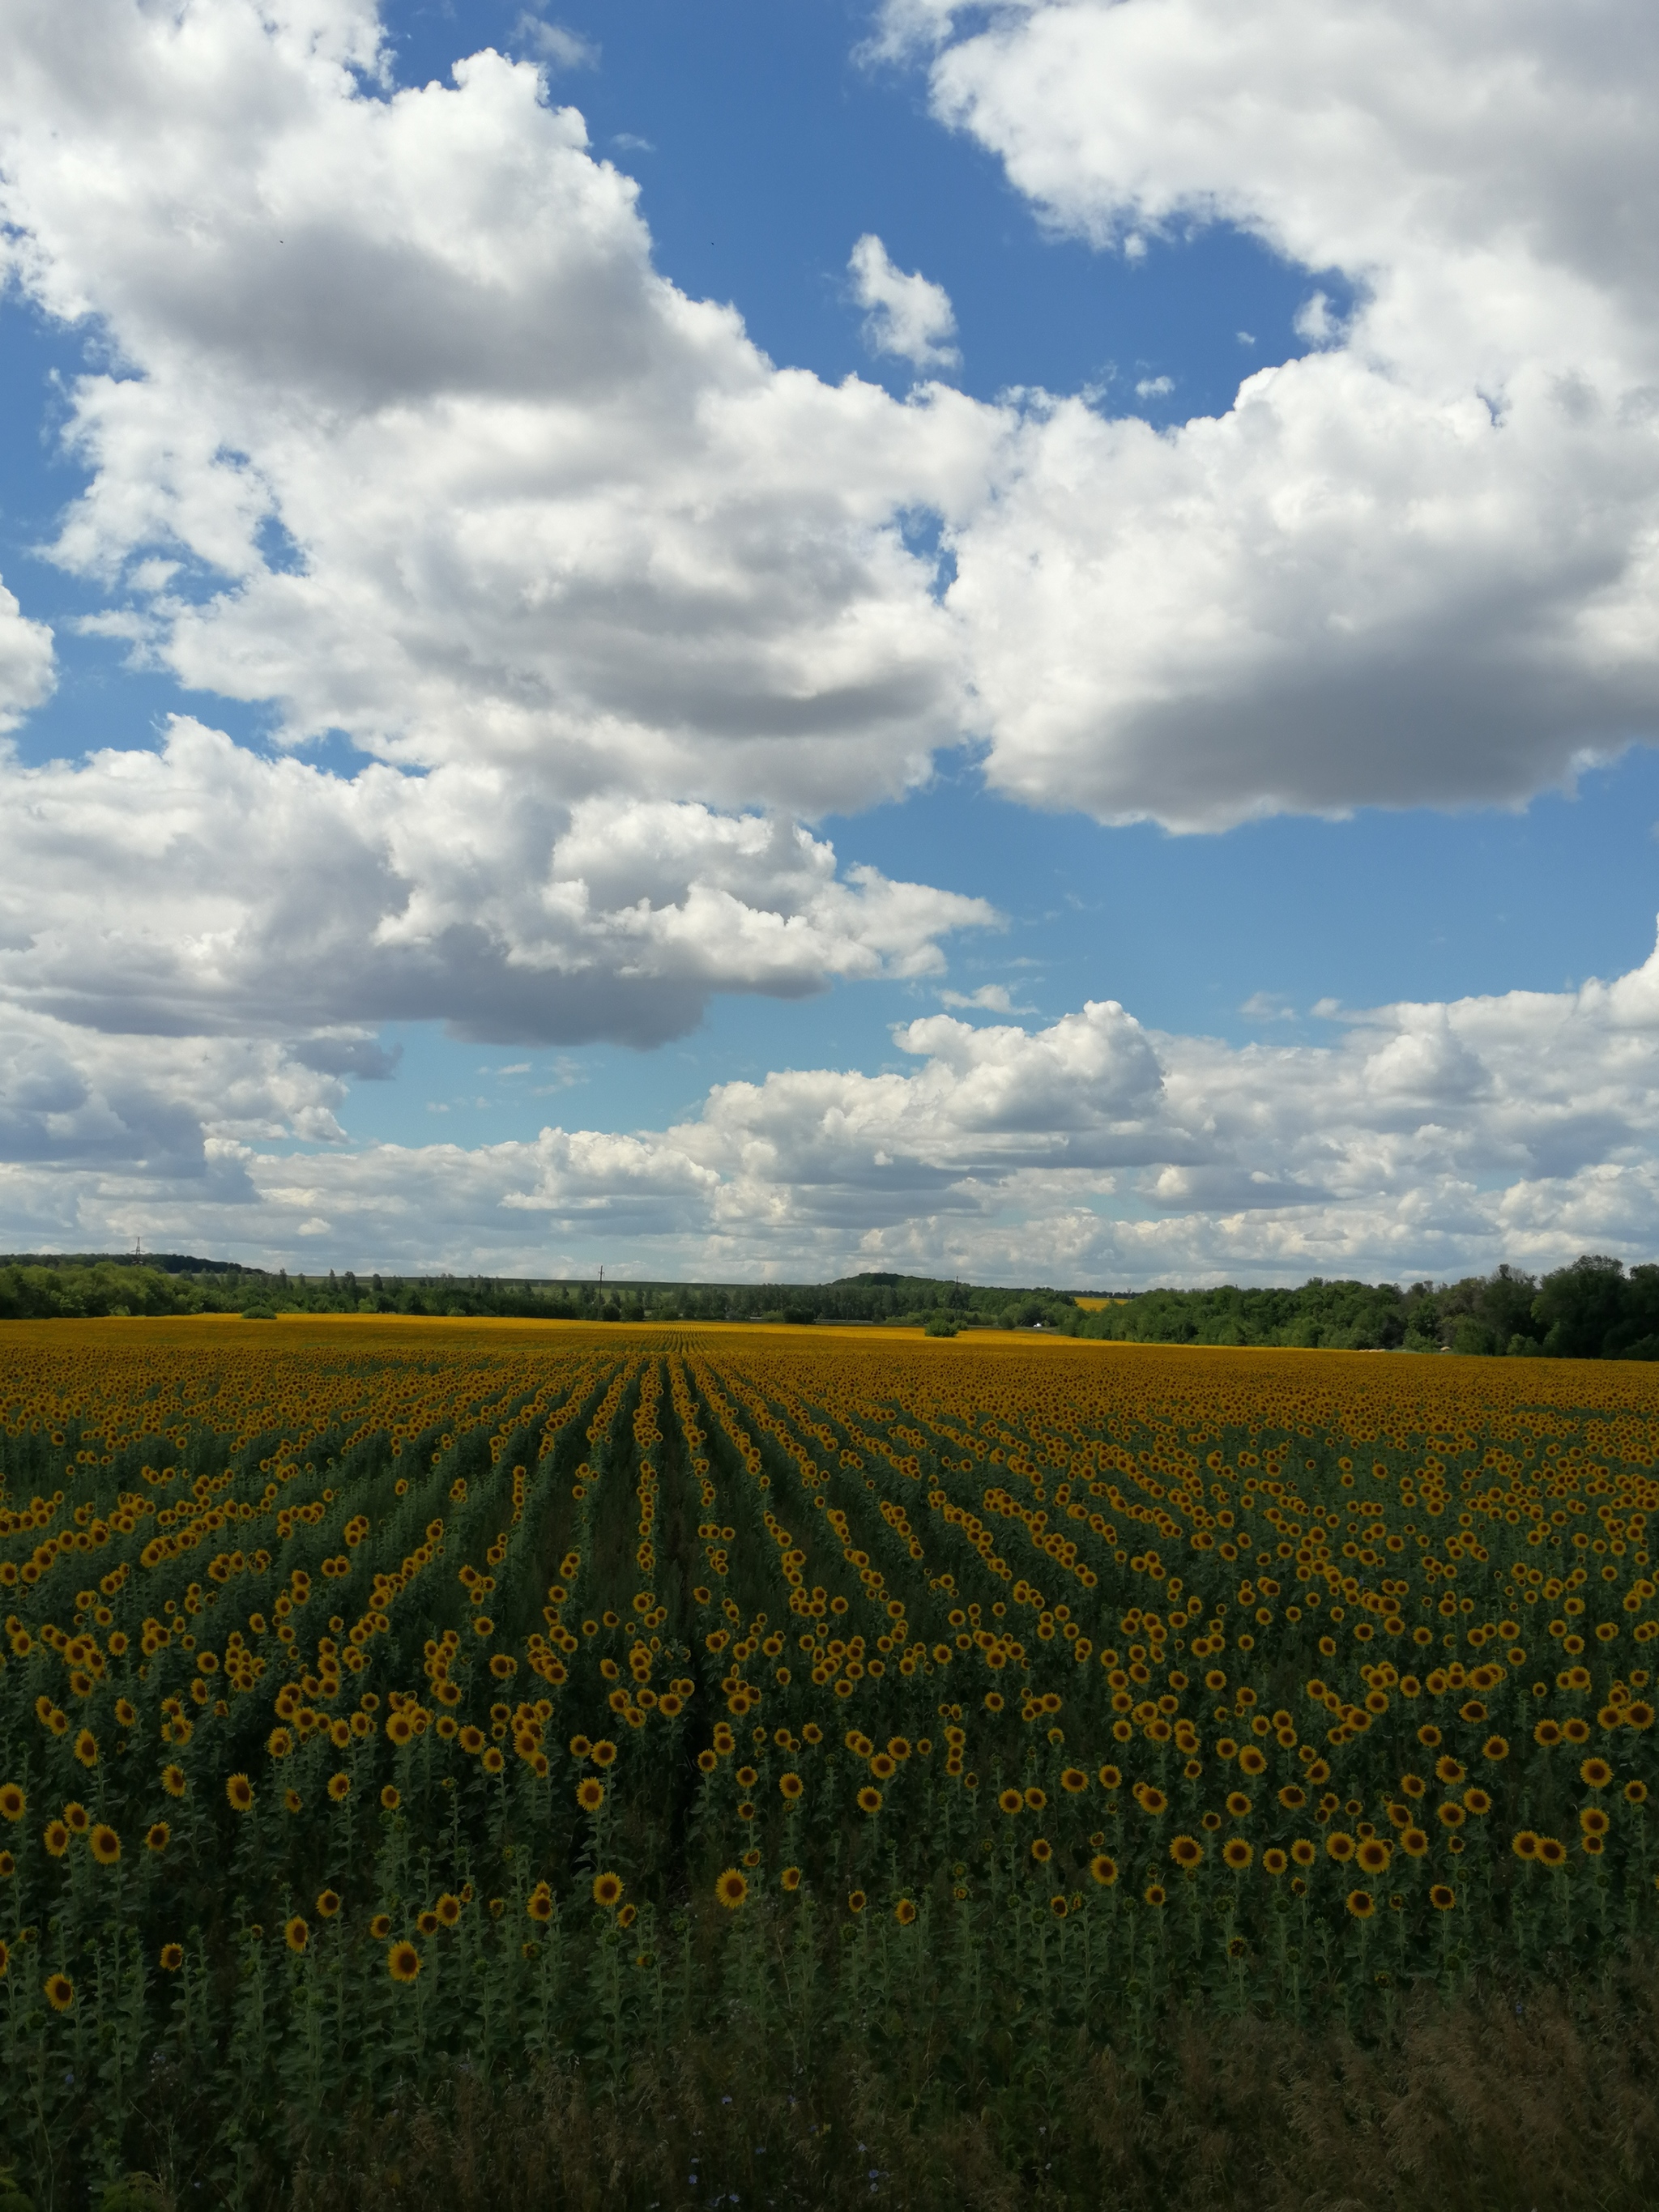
point(202, 889)
point(1427, 1139)
point(1416, 565)
point(558, 47)
point(1154, 388)
point(27, 665)
point(909, 316)
point(436, 456)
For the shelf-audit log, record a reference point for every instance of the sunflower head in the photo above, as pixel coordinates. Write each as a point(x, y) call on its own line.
point(296, 1934)
point(173, 1957)
point(106, 1844)
point(60, 1992)
point(607, 1890)
point(403, 1962)
point(732, 1888)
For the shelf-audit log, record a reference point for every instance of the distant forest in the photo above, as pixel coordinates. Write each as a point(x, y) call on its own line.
point(1593, 1309)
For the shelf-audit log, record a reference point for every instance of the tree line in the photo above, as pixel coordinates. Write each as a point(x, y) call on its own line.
point(1593, 1309)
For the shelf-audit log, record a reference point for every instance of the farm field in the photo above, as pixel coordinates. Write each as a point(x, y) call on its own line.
point(397, 1712)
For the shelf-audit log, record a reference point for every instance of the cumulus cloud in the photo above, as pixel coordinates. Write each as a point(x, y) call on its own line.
point(1417, 564)
point(1427, 1139)
point(909, 316)
point(28, 663)
point(204, 890)
point(405, 433)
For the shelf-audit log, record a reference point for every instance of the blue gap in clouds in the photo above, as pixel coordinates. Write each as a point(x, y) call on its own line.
point(772, 150)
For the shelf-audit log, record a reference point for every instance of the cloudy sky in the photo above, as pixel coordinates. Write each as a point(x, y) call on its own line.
point(743, 640)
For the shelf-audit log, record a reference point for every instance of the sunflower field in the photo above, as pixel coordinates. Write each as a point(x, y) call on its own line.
point(384, 1702)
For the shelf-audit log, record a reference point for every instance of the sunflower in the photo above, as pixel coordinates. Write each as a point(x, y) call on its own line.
point(403, 1961)
point(12, 1802)
point(607, 1890)
point(471, 1740)
point(1413, 1842)
point(1042, 1849)
point(1103, 1870)
point(448, 1910)
point(380, 1927)
point(1550, 1852)
point(1361, 1903)
point(158, 1836)
point(904, 1913)
point(731, 1889)
point(1636, 1793)
point(296, 1935)
point(391, 1798)
point(279, 1743)
point(1274, 1862)
point(790, 1786)
point(856, 1901)
point(1110, 1778)
point(1338, 1845)
point(1495, 1748)
point(292, 1802)
point(1373, 1855)
point(790, 1878)
point(1238, 1805)
point(60, 1992)
point(1236, 1854)
point(1595, 1774)
point(1152, 1802)
point(1546, 1732)
point(328, 1905)
point(1153, 1893)
point(1292, 1796)
point(1448, 1770)
point(1187, 1851)
point(106, 1844)
point(1525, 1845)
point(239, 1794)
point(590, 1795)
point(56, 1839)
point(1442, 1897)
point(1450, 1814)
point(339, 1788)
point(173, 1957)
point(1303, 1852)
point(76, 1819)
point(1594, 1821)
point(1073, 1781)
point(869, 1800)
point(539, 1903)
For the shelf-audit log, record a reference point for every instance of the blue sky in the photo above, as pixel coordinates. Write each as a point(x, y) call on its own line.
point(1136, 692)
